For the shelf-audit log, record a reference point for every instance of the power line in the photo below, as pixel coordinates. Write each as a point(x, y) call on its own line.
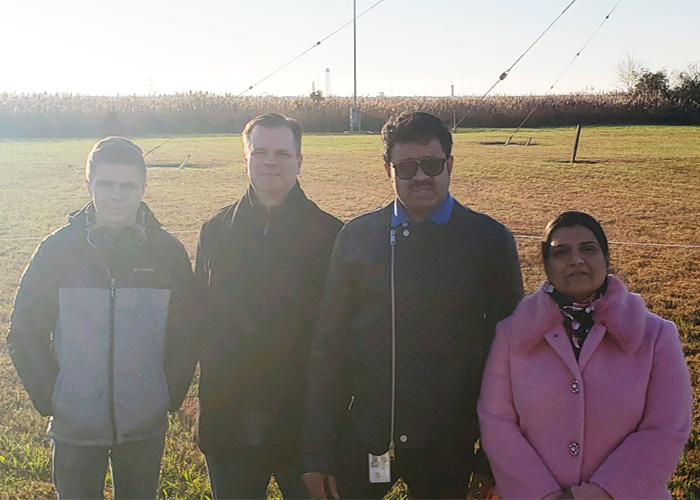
point(506, 72)
point(630, 243)
point(567, 67)
point(524, 236)
point(310, 48)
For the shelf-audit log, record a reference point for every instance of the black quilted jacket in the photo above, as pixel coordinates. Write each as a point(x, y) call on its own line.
point(454, 282)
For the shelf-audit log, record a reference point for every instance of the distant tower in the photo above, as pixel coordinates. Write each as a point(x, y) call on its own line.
point(328, 82)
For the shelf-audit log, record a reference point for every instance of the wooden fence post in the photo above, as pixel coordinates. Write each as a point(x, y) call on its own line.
point(578, 134)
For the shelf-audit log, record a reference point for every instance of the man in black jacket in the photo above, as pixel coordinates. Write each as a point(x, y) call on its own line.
point(261, 265)
point(413, 295)
point(101, 335)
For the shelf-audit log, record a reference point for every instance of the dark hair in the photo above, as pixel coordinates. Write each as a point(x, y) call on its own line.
point(114, 151)
point(573, 218)
point(273, 120)
point(415, 127)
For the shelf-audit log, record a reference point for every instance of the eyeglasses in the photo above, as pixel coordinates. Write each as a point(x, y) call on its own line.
point(407, 169)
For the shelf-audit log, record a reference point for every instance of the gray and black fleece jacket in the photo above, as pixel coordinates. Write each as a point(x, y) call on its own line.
point(101, 329)
point(453, 283)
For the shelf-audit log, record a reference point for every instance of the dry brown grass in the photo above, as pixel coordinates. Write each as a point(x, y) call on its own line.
point(641, 182)
point(73, 115)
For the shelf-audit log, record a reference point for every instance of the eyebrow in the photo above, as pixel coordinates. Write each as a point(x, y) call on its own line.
point(594, 242)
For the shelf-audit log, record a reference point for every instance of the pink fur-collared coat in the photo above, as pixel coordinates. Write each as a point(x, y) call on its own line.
point(619, 417)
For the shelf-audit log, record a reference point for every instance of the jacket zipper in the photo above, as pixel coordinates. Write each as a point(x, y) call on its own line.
point(267, 226)
point(392, 446)
point(112, 299)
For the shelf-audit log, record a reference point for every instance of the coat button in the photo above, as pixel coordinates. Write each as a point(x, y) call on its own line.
point(574, 386)
point(405, 224)
point(406, 232)
point(574, 449)
point(403, 438)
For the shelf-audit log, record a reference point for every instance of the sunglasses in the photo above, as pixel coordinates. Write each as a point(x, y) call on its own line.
point(407, 169)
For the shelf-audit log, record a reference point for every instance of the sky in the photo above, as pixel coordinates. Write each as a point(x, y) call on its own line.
point(404, 47)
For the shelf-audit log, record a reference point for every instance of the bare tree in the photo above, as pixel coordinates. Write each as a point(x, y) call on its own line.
point(686, 89)
point(627, 73)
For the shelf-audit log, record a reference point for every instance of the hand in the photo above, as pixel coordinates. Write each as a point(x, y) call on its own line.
point(566, 495)
point(480, 487)
point(586, 491)
point(320, 485)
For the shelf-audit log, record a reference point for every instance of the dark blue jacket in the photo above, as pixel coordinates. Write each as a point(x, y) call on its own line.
point(454, 282)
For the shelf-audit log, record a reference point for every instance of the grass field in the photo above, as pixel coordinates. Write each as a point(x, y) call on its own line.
point(641, 182)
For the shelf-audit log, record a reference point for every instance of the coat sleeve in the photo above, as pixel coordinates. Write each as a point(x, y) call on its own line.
point(316, 277)
point(32, 321)
point(644, 462)
point(202, 291)
point(329, 348)
point(504, 281)
point(518, 469)
point(183, 312)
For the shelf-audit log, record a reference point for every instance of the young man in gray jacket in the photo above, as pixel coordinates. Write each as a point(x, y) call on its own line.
point(100, 332)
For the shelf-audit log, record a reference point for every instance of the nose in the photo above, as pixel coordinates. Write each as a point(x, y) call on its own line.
point(420, 175)
point(270, 158)
point(117, 192)
point(576, 257)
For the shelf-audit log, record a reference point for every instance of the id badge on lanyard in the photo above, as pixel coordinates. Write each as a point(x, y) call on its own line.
point(380, 468)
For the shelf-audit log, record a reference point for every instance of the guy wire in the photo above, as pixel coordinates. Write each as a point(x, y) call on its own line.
point(506, 72)
point(567, 68)
point(307, 50)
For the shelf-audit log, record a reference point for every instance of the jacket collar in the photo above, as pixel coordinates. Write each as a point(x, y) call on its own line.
point(440, 215)
point(144, 217)
point(294, 198)
point(622, 313)
point(249, 207)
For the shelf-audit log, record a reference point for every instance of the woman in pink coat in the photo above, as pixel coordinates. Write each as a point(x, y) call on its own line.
point(586, 393)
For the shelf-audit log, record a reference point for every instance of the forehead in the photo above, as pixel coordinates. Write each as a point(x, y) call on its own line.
point(272, 138)
point(118, 173)
point(572, 236)
point(408, 150)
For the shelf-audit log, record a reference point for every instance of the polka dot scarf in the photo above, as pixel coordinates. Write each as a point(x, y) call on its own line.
point(578, 317)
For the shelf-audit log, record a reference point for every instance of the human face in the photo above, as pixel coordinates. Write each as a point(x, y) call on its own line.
point(576, 265)
point(116, 191)
point(272, 162)
point(422, 194)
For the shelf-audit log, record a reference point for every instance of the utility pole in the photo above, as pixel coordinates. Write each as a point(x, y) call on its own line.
point(355, 117)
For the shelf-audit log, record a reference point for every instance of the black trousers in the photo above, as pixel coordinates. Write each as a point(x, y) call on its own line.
point(245, 473)
point(429, 472)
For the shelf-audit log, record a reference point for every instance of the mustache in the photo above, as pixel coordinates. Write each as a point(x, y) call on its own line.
point(426, 183)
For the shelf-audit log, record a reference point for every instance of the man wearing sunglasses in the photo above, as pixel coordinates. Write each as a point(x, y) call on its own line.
point(412, 299)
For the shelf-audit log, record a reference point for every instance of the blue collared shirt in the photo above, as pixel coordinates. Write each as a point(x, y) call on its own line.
point(440, 216)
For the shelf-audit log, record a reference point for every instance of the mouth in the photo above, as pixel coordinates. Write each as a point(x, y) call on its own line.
point(421, 188)
point(578, 274)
